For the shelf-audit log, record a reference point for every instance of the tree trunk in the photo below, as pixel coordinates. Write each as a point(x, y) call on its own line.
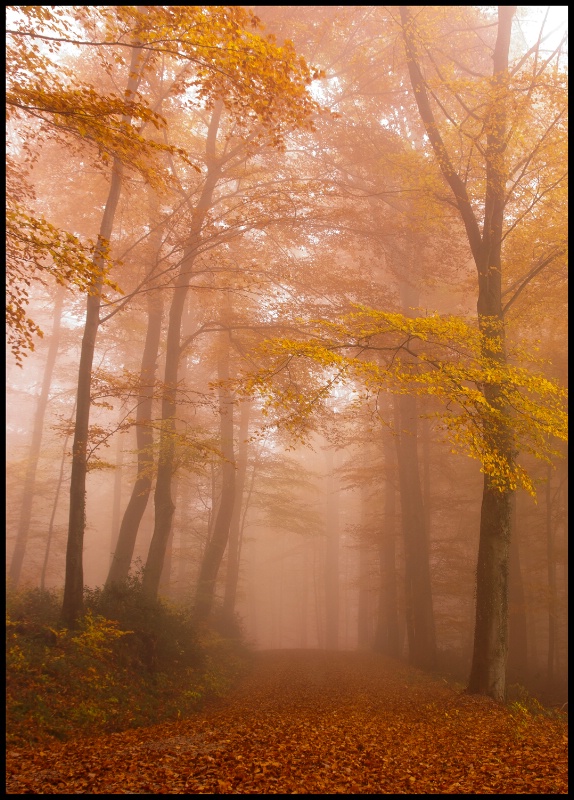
point(332, 558)
point(117, 496)
point(164, 506)
point(32, 466)
point(74, 581)
point(55, 507)
point(234, 548)
point(552, 589)
point(217, 543)
point(418, 591)
point(364, 613)
point(137, 504)
point(488, 670)
point(517, 623)
point(387, 632)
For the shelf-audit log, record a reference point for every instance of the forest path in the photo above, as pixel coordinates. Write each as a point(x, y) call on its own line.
point(316, 722)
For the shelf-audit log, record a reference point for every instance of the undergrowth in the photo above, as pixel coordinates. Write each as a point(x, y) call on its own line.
point(130, 662)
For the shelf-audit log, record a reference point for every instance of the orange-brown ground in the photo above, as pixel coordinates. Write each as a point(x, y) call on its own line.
point(315, 722)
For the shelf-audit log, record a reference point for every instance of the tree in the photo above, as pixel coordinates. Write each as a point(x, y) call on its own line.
point(35, 445)
point(41, 105)
point(124, 549)
point(493, 144)
point(217, 541)
point(276, 101)
point(127, 28)
point(462, 376)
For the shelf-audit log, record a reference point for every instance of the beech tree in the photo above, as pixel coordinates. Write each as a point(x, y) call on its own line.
point(495, 149)
point(281, 105)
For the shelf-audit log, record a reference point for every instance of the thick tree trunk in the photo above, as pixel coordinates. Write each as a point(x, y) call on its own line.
point(35, 445)
point(205, 591)
point(164, 505)
point(488, 670)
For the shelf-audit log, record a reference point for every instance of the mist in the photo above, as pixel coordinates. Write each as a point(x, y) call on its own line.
point(277, 382)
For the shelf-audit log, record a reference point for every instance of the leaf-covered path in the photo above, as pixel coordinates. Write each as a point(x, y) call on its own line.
point(316, 722)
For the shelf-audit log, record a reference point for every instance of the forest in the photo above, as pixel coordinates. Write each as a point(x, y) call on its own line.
point(335, 238)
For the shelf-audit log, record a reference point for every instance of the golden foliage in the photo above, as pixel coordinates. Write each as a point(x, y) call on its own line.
point(440, 357)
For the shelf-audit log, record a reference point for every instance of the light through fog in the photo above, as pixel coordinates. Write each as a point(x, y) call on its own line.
point(341, 329)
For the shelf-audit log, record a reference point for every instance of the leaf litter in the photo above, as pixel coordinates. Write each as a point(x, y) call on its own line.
point(315, 722)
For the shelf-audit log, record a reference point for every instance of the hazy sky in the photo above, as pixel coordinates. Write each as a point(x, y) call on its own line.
point(531, 17)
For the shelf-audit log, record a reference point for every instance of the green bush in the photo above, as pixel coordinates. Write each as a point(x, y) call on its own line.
point(161, 637)
point(129, 662)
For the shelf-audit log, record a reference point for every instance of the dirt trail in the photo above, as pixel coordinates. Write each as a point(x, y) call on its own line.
point(314, 722)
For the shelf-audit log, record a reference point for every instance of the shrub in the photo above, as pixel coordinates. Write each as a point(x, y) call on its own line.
point(90, 680)
point(161, 637)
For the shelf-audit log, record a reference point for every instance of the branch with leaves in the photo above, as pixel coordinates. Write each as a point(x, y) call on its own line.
point(439, 357)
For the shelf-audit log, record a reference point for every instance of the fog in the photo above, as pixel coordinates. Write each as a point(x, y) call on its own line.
point(251, 440)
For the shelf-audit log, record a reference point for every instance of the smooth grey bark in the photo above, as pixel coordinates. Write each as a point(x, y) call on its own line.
point(35, 446)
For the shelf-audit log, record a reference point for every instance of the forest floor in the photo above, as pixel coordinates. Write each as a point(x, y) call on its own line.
point(311, 722)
